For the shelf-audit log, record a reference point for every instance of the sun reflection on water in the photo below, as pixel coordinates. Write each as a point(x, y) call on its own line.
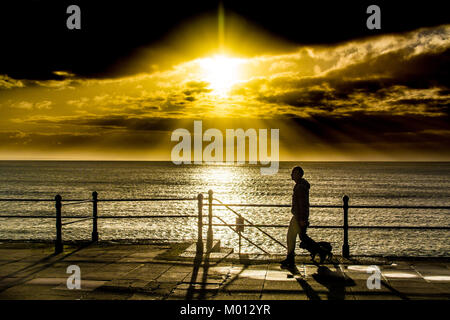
point(222, 179)
point(230, 185)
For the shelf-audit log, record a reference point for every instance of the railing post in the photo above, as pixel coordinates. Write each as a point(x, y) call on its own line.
point(200, 224)
point(240, 242)
point(58, 242)
point(94, 216)
point(209, 239)
point(345, 246)
point(240, 228)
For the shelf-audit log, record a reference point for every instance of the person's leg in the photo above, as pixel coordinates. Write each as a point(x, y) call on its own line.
point(305, 240)
point(292, 236)
point(302, 234)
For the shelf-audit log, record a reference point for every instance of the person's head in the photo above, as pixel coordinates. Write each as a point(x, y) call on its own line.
point(297, 173)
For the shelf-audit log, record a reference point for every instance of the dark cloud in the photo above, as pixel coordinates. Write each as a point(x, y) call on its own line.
point(196, 87)
point(417, 136)
point(21, 140)
point(423, 70)
point(36, 42)
point(8, 83)
point(99, 142)
point(113, 122)
point(321, 99)
point(378, 83)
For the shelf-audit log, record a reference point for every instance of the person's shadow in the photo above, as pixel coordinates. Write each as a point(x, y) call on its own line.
point(334, 281)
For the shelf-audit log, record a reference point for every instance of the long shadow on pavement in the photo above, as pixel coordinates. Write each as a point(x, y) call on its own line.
point(33, 272)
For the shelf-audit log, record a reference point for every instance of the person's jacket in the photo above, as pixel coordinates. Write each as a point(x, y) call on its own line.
point(300, 200)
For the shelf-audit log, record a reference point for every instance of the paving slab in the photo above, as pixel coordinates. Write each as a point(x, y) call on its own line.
point(284, 296)
point(151, 272)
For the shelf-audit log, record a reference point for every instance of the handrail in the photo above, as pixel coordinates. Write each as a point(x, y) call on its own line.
point(99, 200)
point(329, 206)
point(150, 216)
point(251, 223)
point(146, 199)
point(40, 217)
point(60, 203)
point(32, 200)
point(76, 221)
point(338, 227)
point(251, 242)
point(77, 202)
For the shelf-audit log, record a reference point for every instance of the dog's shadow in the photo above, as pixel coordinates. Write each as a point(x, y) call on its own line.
point(334, 281)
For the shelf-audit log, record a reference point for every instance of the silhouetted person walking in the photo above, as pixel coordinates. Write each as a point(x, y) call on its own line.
point(300, 214)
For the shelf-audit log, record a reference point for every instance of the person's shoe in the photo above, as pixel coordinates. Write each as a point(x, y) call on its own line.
point(288, 263)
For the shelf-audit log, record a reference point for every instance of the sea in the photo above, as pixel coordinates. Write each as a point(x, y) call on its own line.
point(365, 183)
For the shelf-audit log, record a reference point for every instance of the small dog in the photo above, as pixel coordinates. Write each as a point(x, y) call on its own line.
point(321, 248)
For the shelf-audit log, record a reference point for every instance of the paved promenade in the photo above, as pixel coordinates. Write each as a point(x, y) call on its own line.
point(171, 271)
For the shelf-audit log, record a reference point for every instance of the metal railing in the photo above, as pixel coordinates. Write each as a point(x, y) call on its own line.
point(238, 227)
point(242, 222)
point(59, 203)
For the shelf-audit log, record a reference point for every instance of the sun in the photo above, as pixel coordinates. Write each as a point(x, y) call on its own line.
point(221, 72)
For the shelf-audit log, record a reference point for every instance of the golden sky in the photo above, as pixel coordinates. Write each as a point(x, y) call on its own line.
point(378, 98)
